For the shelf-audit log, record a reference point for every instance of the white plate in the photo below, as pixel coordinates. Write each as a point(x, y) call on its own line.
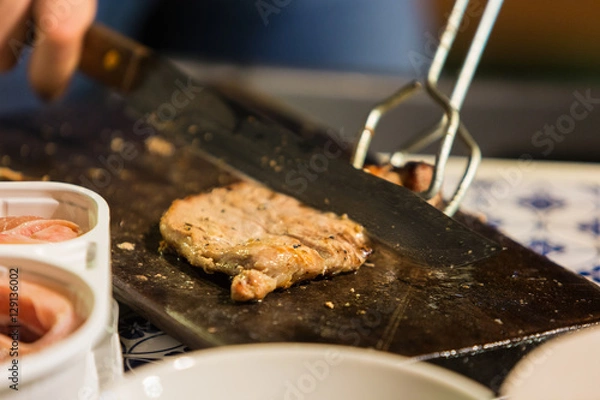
point(294, 371)
point(567, 367)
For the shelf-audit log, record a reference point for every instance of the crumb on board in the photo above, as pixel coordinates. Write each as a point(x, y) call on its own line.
point(8, 174)
point(481, 217)
point(351, 290)
point(212, 329)
point(50, 148)
point(126, 246)
point(369, 264)
point(116, 144)
point(361, 312)
point(11, 174)
point(95, 173)
point(159, 146)
point(142, 278)
point(187, 285)
point(25, 150)
point(329, 305)
point(264, 160)
point(163, 247)
point(499, 321)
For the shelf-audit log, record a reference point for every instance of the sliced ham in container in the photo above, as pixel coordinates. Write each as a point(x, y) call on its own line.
point(45, 316)
point(55, 292)
point(29, 229)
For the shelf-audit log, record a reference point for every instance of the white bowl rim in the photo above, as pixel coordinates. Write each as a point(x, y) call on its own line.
point(453, 380)
point(536, 363)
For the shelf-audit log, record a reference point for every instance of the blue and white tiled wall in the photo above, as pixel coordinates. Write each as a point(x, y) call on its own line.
point(556, 215)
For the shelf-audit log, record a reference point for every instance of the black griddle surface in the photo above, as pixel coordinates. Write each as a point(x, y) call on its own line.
point(457, 316)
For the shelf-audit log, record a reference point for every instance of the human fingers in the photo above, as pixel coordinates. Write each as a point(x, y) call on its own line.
point(60, 28)
point(13, 15)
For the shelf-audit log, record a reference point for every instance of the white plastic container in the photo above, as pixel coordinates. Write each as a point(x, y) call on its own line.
point(77, 366)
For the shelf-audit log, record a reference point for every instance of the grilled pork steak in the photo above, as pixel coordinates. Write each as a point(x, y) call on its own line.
point(266, 240)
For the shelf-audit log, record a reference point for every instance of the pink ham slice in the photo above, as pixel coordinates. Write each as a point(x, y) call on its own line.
point(44, 317)
point(30, 229)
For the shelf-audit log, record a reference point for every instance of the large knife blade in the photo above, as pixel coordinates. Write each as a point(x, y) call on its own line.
point(171, 104)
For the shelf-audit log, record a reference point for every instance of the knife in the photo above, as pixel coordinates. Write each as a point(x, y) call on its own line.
point(169, 103)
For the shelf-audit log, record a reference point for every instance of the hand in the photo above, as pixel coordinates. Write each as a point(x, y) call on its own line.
point(58, 27)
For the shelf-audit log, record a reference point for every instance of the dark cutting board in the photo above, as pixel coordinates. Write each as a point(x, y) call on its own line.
point(513, 299)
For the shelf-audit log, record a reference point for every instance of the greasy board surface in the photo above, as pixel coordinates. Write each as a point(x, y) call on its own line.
point(391, 305)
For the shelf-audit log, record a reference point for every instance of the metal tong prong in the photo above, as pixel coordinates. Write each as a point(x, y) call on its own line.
point(361, 147)
point(450, 124)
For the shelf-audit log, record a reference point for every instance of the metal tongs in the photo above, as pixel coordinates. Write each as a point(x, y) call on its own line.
point(446, 129)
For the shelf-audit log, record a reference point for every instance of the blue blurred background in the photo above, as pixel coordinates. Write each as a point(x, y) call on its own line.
point(337, 34)
point(339, 57)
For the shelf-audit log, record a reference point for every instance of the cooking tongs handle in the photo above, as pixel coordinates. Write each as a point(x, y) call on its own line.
point(113, 59)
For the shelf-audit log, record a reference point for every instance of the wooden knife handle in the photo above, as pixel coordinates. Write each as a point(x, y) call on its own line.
point(112, 58)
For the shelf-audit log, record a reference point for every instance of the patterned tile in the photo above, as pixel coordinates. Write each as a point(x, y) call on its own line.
point(142, 342)
point(593, 273)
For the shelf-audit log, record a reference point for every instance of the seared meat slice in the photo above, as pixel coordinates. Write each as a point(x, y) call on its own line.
point(415, 176)
point(264, 239)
